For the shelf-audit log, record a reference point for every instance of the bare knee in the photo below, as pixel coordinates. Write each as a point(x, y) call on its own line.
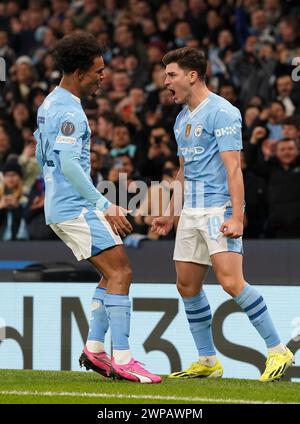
point(119, 280)
point(231, 286)
point(185, 288)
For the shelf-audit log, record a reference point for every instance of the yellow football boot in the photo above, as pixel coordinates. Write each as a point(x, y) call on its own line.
point(276, 365)
point(198, 370)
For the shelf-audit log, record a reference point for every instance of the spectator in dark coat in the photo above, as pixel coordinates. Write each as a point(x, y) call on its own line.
point(282, 173)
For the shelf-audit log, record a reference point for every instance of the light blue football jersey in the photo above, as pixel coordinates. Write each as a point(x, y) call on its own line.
point(213, 127)
point(62, 125)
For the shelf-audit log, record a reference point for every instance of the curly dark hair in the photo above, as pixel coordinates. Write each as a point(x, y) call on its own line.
point(76, 51)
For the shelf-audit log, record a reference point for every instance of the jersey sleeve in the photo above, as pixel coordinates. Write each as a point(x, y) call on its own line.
point(70, 132)
point(38, 150)
point(179, 153)
point(228, 130)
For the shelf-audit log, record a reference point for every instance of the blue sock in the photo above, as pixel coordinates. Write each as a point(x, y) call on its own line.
point(199, 317)
point(118, 311)
point(98, 321)
point(255, 307)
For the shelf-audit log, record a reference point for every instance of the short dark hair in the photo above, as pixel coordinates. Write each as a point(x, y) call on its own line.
point(291, 120)
point(286, 139)
point(76, 51)
point(188, 58)
point(279, 102)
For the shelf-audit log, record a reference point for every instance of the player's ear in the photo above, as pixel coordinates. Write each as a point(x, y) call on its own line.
point(193, 76)
point(79, 74)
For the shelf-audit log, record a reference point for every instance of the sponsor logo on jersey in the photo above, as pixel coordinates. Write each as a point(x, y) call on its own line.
point(66, 140)
point(198, 130)
point(67, 128)
point(189, 153)
point(220, 132)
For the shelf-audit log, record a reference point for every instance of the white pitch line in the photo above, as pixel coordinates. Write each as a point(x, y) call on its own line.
point(119, 396)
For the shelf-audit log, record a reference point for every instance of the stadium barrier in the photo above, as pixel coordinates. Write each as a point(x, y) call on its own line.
point(44, 324)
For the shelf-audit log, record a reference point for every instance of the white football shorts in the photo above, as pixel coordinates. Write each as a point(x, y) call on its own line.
point(198, 235)
point(87, 235)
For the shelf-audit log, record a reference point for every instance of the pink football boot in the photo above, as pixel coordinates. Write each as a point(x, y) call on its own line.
point(133, 371)
point(99, 362)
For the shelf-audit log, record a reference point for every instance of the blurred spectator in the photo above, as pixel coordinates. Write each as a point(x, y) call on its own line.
point(229, 93)
point(21, 119)
point(5, 51)
point(282, 173)
point(272, 9)
point(125, 42)
point(260, 26)
point(159, 149)
point(250, 47)
point(158, 198)
point(5, 147)
point(96, 167)
point(105, 126)
point(85, 14)
point(291, 128)
point(135, 70)
point(132, 108)
point(28, 162)
point(288, 31)
point(120, 85)
point(182, 33)
point(123, 175)
point(12, 203)
point(121, 144)
point(272, 117)
point(284, 88)
point(23, 76)
point(195, 16)
point(34, 214)
point(250, 115)
point(256, 202)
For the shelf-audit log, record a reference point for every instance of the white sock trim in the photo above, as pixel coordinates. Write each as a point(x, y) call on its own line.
point(94, 346)
point(210, 361)
point(280, 348)
point(122, 357)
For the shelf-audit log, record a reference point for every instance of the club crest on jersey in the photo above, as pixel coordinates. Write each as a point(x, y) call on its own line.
point(67, 128)
point(188, 130)
point(198, 131)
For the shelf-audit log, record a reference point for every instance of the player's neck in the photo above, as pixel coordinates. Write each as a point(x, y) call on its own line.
point(197, 97)
point(69, 85)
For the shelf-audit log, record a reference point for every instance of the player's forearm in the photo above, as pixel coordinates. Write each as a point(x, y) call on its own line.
point(236, 191)
point(72, 170)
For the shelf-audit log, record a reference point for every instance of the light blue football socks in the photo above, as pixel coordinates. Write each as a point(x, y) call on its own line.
point(98, 322)
point(255, 307)
point(198, 314)
point(118, 312)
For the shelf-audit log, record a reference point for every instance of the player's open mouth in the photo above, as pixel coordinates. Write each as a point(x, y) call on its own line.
point(173, 93)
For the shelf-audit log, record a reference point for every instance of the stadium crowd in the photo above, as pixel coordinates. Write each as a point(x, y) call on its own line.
point(251, 46)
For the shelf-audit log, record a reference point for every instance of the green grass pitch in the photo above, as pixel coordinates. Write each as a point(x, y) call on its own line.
point(31, 387)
